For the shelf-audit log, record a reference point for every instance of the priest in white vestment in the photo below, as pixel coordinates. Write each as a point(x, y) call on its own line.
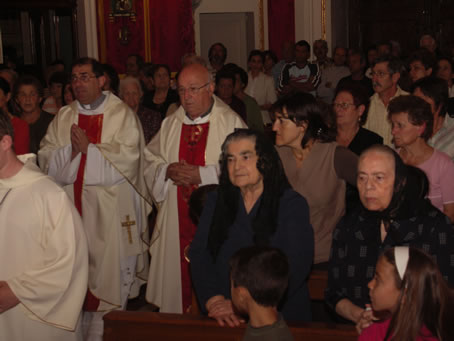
point(43, 252)
point(93, 148)
point(183, 155)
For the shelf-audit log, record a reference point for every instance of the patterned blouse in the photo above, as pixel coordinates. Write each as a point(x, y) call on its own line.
point(151, 122)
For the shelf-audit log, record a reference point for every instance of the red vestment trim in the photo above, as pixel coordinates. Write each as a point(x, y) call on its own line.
point(193, 143)
point(92, 125)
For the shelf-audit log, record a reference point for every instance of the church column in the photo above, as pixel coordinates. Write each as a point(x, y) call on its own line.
point(86, 28)
point(313, 21)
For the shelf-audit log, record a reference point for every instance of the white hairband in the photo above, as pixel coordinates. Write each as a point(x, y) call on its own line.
point(401, 255)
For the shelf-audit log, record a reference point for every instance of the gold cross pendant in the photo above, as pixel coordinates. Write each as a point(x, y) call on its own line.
point(128, 223)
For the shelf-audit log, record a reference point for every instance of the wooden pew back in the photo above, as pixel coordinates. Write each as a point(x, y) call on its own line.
point(138, 326)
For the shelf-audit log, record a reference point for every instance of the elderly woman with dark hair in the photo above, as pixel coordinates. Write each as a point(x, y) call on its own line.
point(316, 166)
point(254, 205)
point(412, 123)
point(393, 212)
point(351, 104)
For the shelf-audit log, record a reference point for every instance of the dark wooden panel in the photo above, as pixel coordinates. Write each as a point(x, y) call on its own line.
point(138, 326)
point(27, 4)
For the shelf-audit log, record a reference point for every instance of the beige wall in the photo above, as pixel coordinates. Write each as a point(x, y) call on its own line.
point(226, 6)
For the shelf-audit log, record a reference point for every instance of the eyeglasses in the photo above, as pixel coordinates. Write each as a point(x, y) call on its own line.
point(84, 77)
point(193, 90)
point(379, 74)
point(343, 105)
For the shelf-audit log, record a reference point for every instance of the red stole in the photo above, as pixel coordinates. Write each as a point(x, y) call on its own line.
point(193, 143)
point(92, 125)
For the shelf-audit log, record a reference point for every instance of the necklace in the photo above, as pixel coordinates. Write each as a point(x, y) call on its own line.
point(1, 202)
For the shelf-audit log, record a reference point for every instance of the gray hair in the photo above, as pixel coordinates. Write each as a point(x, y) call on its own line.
point(128, 80)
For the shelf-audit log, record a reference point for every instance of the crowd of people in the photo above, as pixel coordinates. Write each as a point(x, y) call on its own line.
point(255, 178)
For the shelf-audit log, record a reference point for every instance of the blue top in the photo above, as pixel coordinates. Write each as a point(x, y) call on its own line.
point(294, 236)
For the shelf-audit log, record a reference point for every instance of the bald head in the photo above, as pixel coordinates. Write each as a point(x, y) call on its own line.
point(195, 87)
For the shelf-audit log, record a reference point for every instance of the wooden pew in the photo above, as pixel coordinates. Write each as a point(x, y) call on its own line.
point(149, 326)
point(316, 283)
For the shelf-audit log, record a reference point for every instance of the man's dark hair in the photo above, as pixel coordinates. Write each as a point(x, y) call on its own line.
point(197, 201)
point(271, 54)
point(4, 86)
point(394, 64)
point(113, 76)
point(435, 88)
point(236, 70)
point(58, 77)
point(96, 66)
point(418, 110)
point(360, 54)
point(210, 51)
point(139, 59)
point(425, 57)
point(263, 271)
point(156, 68)
point(225, 74)
point(6, 127)
point(254, 53)
point(304, 43)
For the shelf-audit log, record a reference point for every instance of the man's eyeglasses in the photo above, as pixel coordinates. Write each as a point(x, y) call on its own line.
point(84, 77)
point(342, 105)
point(193, 90)
point(379, 74)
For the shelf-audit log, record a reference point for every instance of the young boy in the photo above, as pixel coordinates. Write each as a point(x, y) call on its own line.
point(259, 278)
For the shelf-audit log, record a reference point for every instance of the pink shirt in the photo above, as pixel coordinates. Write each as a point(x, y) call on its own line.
point(439, 169)
point(377, 332)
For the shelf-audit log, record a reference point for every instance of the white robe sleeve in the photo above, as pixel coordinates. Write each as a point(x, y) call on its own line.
point(98, 171)
point(209, 175)
point(61, 168)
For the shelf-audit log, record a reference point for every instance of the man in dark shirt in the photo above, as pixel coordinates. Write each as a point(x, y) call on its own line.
point(225, 83)
point(300, 75)
point(357, 65)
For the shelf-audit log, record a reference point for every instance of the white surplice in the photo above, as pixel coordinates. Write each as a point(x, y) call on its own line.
point(114, 193)
point(44, 255)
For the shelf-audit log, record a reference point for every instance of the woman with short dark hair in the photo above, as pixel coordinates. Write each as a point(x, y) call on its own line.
point(163, 95)
point(316, 166)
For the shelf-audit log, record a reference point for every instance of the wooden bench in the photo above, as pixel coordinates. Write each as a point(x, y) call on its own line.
point(138, 326)
point(316, 283)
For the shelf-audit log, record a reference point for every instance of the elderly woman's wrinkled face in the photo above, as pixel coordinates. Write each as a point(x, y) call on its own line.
point(242, 164)
point(131, 94)
point(376, 175)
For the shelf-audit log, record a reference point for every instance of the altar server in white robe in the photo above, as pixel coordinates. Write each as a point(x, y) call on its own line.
point(93, 148)
point(43, 252)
